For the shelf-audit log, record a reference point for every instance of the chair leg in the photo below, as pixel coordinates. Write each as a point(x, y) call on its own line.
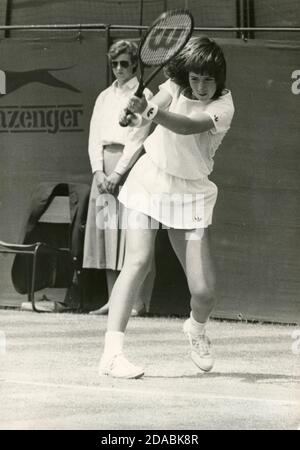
point(32, 290)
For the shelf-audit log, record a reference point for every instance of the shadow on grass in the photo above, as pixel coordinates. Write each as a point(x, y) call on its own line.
point(242, 376)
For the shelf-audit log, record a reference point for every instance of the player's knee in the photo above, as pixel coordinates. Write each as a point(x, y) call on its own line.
point(140, 262)
point(203, 298)
point(203, 293)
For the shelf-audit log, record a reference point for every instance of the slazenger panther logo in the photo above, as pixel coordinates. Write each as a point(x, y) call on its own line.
point(38, 118)
point(11, 81)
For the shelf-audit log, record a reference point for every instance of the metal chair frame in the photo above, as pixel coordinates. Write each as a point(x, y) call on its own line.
point(35, 250)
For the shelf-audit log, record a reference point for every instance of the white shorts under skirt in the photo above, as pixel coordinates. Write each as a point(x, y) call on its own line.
point(172, 201)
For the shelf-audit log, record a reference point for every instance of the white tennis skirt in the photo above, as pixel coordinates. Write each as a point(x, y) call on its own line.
point(174, 202)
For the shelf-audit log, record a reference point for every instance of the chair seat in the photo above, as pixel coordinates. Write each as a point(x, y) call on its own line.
point(31, 248)
point(19, 247)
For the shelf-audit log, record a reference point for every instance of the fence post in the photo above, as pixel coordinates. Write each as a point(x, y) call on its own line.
point(5, 8)
point(141, 15)
point(107, 36)
point(248, 17)
point(238, 9)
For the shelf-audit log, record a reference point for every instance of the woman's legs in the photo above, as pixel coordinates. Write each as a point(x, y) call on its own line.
point(195, 258)
point(111, 278)
point(139, 253)
point(144, 294)
point(138, 257)
point(197, 263)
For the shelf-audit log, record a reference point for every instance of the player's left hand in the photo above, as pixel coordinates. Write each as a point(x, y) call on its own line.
point(137, 105)
point(129, 119)
point(112, 182)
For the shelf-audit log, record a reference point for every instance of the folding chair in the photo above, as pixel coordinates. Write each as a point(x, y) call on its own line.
point(36, 249)
point(58, 212)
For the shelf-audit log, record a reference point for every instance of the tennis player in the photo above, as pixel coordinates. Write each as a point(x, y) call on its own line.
point(170, 184)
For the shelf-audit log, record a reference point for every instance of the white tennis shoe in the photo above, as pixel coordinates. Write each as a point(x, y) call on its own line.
point(119, 367)
point(201, 352)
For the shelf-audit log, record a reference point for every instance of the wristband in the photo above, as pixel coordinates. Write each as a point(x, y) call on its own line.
point(150, 112)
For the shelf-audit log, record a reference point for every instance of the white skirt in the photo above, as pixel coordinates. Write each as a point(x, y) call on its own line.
point(174, 202)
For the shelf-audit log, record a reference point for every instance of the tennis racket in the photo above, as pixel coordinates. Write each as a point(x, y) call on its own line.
point(165, 38)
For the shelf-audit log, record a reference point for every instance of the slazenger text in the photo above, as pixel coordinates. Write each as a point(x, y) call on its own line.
point(48, 119)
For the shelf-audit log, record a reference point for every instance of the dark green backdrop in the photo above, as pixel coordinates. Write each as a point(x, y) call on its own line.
point(256, 232)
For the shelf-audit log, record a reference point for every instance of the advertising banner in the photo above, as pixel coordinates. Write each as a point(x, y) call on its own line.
point(47, 92)
point(48, 89)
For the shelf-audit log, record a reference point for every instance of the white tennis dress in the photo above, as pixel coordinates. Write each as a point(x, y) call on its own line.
point(170, 182)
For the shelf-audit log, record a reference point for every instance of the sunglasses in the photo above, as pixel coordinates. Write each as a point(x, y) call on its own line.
point(123, 64)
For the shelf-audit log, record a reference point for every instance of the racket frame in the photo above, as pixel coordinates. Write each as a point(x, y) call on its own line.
point(142, 65)
point(142, 84)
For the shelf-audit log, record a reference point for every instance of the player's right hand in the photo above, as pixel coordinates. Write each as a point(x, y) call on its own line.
point(137, 104)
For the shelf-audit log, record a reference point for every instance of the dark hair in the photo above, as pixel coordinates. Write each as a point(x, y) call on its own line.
point(123, 46)
point(201, 55)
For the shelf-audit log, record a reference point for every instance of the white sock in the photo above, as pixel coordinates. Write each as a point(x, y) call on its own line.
point(197, 327)
point(113, 343)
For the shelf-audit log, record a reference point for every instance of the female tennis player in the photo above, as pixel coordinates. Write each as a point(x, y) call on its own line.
point(169, 184)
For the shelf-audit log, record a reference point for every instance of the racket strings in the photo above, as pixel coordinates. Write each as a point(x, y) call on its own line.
point(165, 38)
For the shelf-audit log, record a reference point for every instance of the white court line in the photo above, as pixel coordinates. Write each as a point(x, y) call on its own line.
point(151, 393)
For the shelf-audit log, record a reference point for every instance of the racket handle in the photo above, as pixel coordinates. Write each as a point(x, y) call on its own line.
point(140, 89)
point(124, 122)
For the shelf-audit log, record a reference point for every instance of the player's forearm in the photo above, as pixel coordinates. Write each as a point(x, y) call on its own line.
point(181, 124)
